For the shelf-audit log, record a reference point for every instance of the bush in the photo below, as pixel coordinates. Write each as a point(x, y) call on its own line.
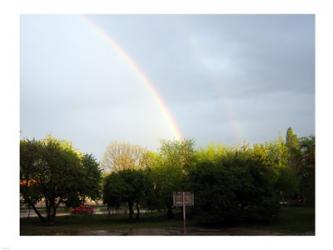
point(237, 188)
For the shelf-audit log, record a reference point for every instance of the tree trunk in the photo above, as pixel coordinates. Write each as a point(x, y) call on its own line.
point(48, 210)
point(48, 214)
point(55, 206)
point(137, 211)
point(130, 208)
point(169, 212)
point(51, 211)
point(36, 211)
point(54, 212)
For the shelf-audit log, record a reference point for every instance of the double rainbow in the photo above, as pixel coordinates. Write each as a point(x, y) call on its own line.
point(134, 67)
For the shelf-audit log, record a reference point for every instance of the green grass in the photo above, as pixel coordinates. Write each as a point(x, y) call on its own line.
point(76, 224)
point(292, 221)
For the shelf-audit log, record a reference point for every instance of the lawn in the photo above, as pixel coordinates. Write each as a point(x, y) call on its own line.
point(292, 221)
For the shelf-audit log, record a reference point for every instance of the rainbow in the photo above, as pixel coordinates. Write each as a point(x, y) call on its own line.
point(140, 75)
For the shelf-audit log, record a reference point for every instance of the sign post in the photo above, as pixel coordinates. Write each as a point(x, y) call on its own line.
point(183, 199)
point(184, 213)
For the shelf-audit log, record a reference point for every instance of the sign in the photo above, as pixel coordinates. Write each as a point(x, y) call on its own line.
point(183, 199)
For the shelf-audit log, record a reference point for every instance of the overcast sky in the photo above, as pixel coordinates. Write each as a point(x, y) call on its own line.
point(224, 78)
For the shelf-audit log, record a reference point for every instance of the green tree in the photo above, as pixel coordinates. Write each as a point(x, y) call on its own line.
point(169, 172)
point(51, 170)
point(113, 189)
point(287, 184)
point(276, 156)
point(128, 186)
point(293, 147)
point(30, 191)
point(307, 169)
point(212, 153)
point(237, 187)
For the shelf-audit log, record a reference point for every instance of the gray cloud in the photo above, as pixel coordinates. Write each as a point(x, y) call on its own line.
point(213, 71)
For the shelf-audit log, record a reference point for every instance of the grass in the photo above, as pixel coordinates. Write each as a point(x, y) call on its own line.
point(76, 224)
point(292, 221)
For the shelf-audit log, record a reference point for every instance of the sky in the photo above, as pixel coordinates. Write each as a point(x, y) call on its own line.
point(227, 79)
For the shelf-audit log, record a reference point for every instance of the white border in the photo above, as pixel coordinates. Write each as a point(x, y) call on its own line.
point(9, 97)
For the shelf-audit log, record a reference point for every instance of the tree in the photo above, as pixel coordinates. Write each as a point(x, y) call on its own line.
point(51, 170)
point(276, 156)
point(287, 184)
point(177, 153)
point(212, 153)
point(302, 160)
point(113, 189)
point(90, 185)
point(169, 172)
point(293, 147)
point(307, 169)
point(30, 155)
point(120, 156)
point(238, 187)
point(126, 186)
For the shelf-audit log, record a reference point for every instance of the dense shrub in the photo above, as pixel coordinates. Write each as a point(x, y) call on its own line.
point(237, 188)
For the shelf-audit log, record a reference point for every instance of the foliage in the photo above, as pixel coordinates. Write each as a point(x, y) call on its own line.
point(120, 156)
point(293, 146)
point(231, 184)
point(57, 173)
point(301, 161)
point(287, 184)
point(177, 153)
point(236, 188)
point(307, 169)
point(276, 156)
point(126, 186)
point(169, 173)
point(90, 186)
point(273, 154)
point(30, 153)
point(212, 153)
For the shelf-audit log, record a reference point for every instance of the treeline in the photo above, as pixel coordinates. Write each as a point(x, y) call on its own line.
point(230, 184)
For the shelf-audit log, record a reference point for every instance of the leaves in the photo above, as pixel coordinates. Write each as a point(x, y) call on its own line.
point(120, 156)
point(59, 172)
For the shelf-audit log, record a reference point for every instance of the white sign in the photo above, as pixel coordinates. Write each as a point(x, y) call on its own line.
point(183, 199)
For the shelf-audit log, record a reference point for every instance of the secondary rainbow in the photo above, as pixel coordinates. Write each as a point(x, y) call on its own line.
point(140, 75)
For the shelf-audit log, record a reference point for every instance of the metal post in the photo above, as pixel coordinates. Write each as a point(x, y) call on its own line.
point(184, 213)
